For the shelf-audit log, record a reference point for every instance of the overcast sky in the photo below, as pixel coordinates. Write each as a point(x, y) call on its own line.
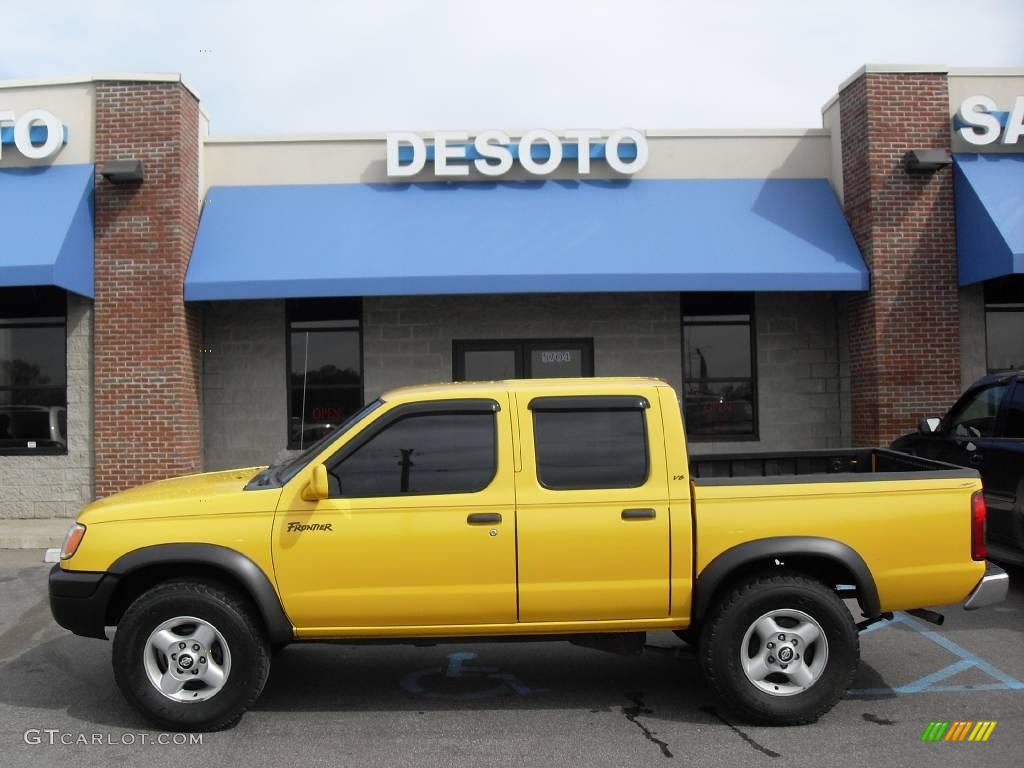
point(303, 66)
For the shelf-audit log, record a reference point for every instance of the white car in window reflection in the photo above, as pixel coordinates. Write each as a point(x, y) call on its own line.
point(33, 426)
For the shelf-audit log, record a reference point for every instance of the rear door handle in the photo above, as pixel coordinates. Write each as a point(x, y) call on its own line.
point(638, 514)
point(483, 518)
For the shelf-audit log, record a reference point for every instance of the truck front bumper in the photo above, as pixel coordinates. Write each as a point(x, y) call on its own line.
point(79, 600)
point(991, 589)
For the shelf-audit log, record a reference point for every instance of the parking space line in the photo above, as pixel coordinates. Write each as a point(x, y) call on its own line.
point(927, 683)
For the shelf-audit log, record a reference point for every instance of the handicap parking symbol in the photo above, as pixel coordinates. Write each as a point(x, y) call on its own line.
point(460, 681)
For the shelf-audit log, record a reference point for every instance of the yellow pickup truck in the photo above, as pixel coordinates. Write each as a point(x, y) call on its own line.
point(521, 508)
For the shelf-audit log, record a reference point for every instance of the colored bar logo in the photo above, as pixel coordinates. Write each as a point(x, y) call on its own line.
point(958, 730)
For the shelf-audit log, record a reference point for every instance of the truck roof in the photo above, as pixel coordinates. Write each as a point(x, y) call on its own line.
point(594, 384)
point(991, 378)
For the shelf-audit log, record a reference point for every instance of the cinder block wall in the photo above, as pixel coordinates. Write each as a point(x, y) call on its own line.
point(59, 486)
point(801, 395)
point(245, 410)
point(800, 398)
point(408, 340)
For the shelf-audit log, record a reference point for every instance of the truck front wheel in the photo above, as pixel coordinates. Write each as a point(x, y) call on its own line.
point(190, 655)
point(780, 650)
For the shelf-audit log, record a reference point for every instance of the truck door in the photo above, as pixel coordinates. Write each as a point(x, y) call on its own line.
point(969, 429)
point(592, 509)
point(418, 529)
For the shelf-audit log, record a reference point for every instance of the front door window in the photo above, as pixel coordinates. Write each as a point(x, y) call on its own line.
point(428, 453)
point(976, 416)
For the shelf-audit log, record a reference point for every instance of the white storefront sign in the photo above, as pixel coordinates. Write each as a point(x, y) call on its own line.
point(491, 151)
point(22, 133)
point(980, 122)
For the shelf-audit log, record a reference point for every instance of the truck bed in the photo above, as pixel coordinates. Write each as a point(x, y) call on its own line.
point(839, 465)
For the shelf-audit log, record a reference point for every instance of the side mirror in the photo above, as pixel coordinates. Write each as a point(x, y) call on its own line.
point(928, 426)
point(317, 489)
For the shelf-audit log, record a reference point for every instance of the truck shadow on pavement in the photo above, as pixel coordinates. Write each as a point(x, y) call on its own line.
point(73, 675)
point(484, 676)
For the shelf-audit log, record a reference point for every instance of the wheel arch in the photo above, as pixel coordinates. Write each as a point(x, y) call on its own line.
point(813, 555)
point(143, 568)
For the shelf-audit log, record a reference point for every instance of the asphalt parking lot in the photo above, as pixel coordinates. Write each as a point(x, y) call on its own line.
point(549, 704)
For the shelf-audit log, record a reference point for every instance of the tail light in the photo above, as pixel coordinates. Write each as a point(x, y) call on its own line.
point(72, 540)
point(978, 515)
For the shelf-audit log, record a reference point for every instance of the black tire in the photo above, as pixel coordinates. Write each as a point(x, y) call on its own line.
point(723, 633)
point(234, 618)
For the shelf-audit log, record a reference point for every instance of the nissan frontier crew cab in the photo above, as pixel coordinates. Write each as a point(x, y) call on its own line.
point(563, 507)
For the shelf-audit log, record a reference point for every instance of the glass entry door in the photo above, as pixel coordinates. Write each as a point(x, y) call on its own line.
point(486, 360)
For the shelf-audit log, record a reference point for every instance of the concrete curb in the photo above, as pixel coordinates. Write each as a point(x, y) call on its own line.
point(33, 533)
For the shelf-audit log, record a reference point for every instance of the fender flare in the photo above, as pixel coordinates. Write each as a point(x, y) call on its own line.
point(728, 562)
point(244, 570)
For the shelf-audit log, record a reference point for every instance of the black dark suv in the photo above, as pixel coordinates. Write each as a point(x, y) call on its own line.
point(985, 430)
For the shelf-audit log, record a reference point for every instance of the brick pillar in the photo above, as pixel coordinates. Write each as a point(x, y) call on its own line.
point(146, 341)
point(904, 334)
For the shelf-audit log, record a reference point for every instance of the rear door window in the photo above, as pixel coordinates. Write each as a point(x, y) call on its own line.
point(590, 442)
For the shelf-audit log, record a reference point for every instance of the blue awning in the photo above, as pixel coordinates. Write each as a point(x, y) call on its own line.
point(989, 192)
point(46, 227)
point(512, 237)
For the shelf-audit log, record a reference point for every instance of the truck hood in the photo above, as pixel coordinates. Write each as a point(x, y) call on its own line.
point(203, 494)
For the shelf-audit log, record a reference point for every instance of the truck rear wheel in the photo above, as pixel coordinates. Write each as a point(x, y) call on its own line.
point(780, 650)
point(190, 656)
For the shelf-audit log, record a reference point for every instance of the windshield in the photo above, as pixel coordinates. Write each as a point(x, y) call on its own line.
point(280, 473)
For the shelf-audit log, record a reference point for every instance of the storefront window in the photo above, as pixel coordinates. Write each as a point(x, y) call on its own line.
point(524, 359)
point(325, 366)
point(1004, 324)
point(719, 383)
point(33, 370)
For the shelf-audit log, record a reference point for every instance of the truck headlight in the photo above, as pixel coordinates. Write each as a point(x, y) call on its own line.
point(74, 537)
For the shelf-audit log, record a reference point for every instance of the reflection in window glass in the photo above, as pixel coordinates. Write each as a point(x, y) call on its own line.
point(489, 364)
point(1004, 336)
point(718, 351)
point(430, 453)
point(578, 449)
point(33, 369)
point(325, 357)
point(325, 377)
point(32, 356)
point(719, 386)
point(719, 408)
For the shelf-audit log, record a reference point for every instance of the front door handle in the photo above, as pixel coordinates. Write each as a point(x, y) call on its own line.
point(976, 458)
point(483, 518)
point(638, 514)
